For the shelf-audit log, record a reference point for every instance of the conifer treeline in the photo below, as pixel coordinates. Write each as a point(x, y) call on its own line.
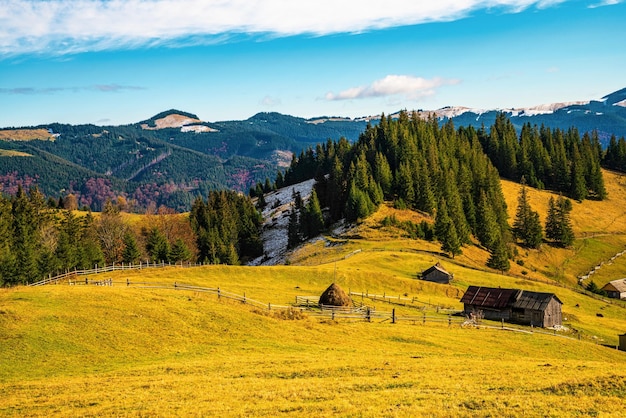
point(548, 159)
point(37, 240)
point(418, 164)
point(452, 174)
point(615, 155)
point(227, 228)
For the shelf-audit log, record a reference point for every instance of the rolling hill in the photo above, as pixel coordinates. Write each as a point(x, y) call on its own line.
point(160, 159)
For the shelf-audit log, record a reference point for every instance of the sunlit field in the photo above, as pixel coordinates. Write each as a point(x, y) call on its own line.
point(140, 350)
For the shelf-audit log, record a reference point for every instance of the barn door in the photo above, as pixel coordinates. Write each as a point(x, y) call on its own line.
point(536, 319)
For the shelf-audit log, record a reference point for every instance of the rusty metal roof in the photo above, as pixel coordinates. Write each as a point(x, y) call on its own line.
point(537, 301)
point(498, 298)
point(490, 297)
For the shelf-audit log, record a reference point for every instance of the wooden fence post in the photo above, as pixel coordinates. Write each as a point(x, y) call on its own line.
point(449, 321)
point(218, 293)
point(502, 323)
point(244, 298)
point(423, 318)
point(393, 316)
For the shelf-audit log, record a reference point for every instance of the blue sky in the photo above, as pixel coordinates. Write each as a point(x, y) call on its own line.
point(117, 62)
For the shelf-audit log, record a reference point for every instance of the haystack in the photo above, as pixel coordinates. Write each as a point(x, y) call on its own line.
point(335, 296)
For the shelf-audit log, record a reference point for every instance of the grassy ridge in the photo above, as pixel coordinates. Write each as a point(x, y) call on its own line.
point(76, 350)
point(111, 351)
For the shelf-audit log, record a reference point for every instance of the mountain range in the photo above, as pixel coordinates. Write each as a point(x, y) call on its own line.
point(160, 160)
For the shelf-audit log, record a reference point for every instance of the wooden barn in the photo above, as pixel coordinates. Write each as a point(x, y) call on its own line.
point(436, 274)
point(616, 289)
point(514, 305)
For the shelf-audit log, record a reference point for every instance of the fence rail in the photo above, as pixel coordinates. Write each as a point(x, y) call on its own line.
point(404, 301)
point(361, 313)
point(105, 269)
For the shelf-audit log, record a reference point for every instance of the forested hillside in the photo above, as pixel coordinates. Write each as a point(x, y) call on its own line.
point(37, 241)
point(159, 161)
point(452, 175)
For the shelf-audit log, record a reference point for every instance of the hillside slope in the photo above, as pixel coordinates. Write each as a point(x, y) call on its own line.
point(142, 351)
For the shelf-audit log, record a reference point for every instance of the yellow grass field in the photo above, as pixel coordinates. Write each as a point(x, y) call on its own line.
point(144, 351)
point(25, 134)
point(110, 351)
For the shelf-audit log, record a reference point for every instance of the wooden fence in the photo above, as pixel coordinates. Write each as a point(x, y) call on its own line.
point(358, 313)
point(105, 269)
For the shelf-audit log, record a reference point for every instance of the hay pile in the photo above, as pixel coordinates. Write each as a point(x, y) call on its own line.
point(335, 296)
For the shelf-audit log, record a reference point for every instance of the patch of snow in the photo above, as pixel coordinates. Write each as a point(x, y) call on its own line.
point(197, 129)
point(276, 222)
point(331, 119)
point(546, 109)
point(621, 103)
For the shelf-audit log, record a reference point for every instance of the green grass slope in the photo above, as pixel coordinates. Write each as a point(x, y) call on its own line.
point(131, 351)
point(91, 350)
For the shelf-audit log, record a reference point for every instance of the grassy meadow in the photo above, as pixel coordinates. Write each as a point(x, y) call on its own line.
point(131, 351)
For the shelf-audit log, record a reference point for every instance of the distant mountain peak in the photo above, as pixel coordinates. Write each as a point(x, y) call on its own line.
point(617, 98)
point(170, 119)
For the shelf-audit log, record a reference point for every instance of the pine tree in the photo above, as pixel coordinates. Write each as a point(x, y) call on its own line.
point(558, 225)
point(24, 231)
point(157, 246)
point(499, 258)
point(293, 229)
point(131, 253)
point(487, 228)
point(313, 216)
point(527, 225)
point(180, 251)
point(446, 232)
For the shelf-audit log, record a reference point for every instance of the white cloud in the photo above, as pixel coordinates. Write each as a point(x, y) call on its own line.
point(105, 88)
point(413, 88)
point(269, 101)
point(603, 3)
point(69, 26)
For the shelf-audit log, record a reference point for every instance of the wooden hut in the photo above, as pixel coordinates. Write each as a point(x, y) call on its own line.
point(537, 309)
point(514, 305)
point(616, 289)
point(436, 274)
point(494, 303)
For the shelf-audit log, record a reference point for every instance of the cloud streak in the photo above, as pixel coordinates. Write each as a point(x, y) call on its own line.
point(59, 27)
point(105, 88)
point(412, 88)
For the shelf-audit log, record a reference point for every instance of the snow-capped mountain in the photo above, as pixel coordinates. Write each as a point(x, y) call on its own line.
point(606, 115)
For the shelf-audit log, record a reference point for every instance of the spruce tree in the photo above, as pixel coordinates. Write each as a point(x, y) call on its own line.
point(180, 251)
point(527, 225)
point(131, 253)
point(314, 217)
point(499, 258)
point(293, 229)
point(446, 232)
point(558, 224)
point(157, 246)
point(487, 228)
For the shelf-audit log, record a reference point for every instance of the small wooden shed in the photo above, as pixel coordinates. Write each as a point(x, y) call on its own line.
point(537, 309)
point(436, 274)
point(616, 289)
point(494, 303)
point(514, 305)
